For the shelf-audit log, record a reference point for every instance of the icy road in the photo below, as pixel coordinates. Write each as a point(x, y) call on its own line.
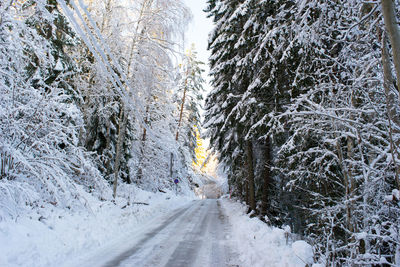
point(195, 235)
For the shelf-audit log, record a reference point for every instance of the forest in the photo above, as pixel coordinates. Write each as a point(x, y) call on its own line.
point(303, 114)
point(95, 96)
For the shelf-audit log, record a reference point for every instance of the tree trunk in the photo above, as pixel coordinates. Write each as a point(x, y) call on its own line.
point(239, 188)
point(250, 176)
point(143, 8)
point(389, 14)
point(347, 184)
point(266, 177)
point(146, 122)
point(352, 184)
point(182, 106)
point(171, 165)
point(390, 103)
point(206, 161)
point(123, 120)
point(246, 191)
point(139, 174)
point(107, 164)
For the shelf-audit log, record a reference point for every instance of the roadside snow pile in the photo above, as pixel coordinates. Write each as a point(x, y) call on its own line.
point(51, 236)
point(260, 245)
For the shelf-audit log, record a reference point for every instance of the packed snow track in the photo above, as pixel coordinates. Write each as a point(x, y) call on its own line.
point(195, 235)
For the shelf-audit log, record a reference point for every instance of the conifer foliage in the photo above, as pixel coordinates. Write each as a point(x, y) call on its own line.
point(306, 123)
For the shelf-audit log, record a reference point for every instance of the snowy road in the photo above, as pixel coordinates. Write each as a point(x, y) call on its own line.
point(196, 235)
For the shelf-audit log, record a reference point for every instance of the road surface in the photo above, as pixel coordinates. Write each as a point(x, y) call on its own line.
point(193, 236)
point(210, 190)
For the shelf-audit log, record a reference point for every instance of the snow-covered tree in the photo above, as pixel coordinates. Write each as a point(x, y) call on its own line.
point(41, 160)
point(75, 79)
point(226, 130)
point(305, 84)
point(129, 121)
point(189, 97)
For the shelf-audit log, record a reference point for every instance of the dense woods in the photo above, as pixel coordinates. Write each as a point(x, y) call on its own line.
point(91, 96)
point(304, 112)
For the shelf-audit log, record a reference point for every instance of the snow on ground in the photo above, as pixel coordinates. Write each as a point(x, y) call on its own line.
point(260, 245)
point(52, 237)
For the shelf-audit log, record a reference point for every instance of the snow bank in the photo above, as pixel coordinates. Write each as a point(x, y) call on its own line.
point(260, 245)
point(53, 237)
